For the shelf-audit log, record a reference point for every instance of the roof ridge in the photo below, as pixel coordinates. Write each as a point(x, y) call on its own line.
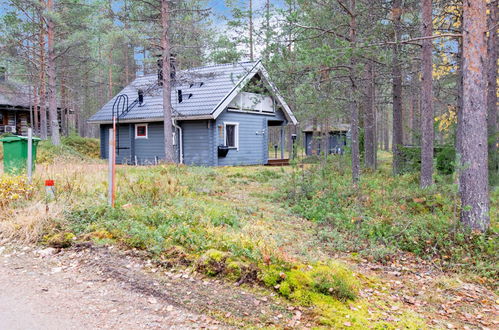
point(204, 67)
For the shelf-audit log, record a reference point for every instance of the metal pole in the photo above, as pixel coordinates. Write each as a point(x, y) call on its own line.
point(30, 154)
point(282, 142)
point(110, 167)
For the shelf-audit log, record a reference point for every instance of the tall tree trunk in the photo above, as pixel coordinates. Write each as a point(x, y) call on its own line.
point(110, 74)
point(370, 120)
point(415, 115)
point(126, 47)
point(354, 110)
point(251, 29)
point(166, 71)
point(36, 104)
point(492, 86)
point(398, 135)
point(474, 176)
point(42, 78)
point(267, 30)
point(427, 115)
point(51, 70)
point(459, 83)
point(386, 132)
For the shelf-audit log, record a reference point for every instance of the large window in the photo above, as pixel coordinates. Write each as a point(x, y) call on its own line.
point(231, 132)
point(141, 131)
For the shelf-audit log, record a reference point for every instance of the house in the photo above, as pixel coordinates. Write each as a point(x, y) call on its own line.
point(335, 143)
point(16, 107)
point(221, 116)
point(15, 111)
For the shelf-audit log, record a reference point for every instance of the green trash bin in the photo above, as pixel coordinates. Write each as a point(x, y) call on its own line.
point(15, 154)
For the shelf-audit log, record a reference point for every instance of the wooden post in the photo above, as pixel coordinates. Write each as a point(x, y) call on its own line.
point(30, 154)
point(282, 142)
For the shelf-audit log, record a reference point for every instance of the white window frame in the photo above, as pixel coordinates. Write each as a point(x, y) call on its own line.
point(147, 131)
point(236, 133)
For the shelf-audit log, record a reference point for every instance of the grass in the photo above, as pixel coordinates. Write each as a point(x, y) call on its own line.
point(386, 215)
point(236, 223)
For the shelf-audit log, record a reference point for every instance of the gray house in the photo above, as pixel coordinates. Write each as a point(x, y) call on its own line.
point(333, 138)
point(221, 115)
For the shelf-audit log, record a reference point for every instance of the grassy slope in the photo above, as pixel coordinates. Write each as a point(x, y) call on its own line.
point(229, 222)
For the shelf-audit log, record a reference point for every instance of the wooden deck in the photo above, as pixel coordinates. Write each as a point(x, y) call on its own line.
point(277, 162)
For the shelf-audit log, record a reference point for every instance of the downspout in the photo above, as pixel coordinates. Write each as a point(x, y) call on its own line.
point(180, 138)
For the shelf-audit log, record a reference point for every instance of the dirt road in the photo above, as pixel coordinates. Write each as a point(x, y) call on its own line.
point(44, 291)
point(102, 288)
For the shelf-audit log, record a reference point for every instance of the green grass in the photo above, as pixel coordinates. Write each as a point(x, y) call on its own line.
point(235, 223)
point(388, 214)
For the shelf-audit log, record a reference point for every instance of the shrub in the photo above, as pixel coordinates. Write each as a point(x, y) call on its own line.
point(446, 157)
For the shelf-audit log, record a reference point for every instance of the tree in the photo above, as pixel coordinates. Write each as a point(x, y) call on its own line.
point(398, 132)
point(370, 119)
point(492, 86)
point(427, 114)
point(52, 93)
point(354, 110)
point(474, 175)
point(166, 82)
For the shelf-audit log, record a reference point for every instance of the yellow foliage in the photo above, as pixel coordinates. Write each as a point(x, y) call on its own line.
point(13, 188)
point(448, 119)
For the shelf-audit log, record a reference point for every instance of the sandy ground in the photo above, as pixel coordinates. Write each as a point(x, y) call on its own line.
point(88, 287)
point(46, 292)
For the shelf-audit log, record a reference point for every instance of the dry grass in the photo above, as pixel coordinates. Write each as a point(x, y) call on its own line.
point(28, 224)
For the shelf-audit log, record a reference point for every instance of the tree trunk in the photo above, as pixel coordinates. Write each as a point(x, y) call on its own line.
point(251, 29)
point(459, 83)
point(492, 87)
point(354, 110)
point(369, 120)
point(110, 74)
point(474, 176)
point(398, 135)
point(42, 77)
point(427, 115)
point(386, 133)
point(51, 70)
point(166, 70)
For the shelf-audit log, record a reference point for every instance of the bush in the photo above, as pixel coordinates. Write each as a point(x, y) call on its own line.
point(446, 157)
point(85, 146)
point(386, 215)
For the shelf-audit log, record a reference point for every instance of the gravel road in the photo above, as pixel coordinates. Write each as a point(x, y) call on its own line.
point(42, 291)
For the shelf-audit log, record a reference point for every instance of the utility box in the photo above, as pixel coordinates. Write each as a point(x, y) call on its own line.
point(15, 154)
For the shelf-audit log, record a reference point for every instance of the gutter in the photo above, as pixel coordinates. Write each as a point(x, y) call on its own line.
point(180, 138)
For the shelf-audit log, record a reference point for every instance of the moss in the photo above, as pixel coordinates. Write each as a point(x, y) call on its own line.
point(212, 262)
point(270, 276)
point(233, 270)
point(59, 240)
point(285, 289)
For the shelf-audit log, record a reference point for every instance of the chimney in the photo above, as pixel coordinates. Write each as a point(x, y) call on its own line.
point(160, 69)
point(141, 96)
point(3, 73)
point(180, 96)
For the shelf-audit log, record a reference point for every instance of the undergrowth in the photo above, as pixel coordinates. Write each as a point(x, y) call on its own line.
point(185, 216)
point(387, 214)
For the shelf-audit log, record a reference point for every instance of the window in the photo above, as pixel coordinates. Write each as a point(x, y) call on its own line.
point(141, 131)
point(231, 131)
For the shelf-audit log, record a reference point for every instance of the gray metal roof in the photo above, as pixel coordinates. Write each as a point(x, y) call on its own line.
point(203, 88)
